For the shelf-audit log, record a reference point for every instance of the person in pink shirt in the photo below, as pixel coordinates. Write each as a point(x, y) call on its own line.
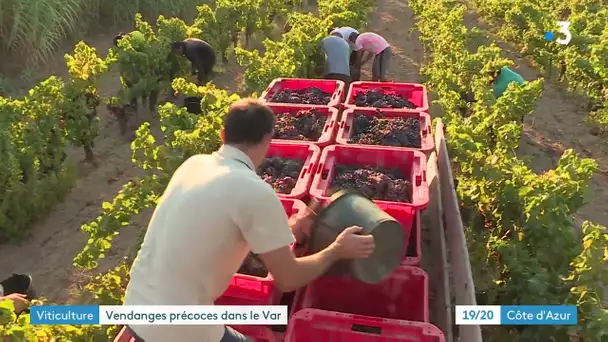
point(375, 46)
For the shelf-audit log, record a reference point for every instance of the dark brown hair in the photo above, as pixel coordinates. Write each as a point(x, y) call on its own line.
point(247, 122)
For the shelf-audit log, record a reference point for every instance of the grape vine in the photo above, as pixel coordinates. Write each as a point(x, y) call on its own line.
point(518, 223)
point(297, 53)
point(582, 65)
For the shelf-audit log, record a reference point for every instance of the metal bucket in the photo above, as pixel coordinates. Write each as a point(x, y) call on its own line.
point(18, 283)
point(352, 209)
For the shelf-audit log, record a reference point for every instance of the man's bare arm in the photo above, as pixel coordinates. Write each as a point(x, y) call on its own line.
point(291, 273)
point(367, 57)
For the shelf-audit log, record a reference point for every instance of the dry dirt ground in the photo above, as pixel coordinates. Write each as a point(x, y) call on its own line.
point(54, 241)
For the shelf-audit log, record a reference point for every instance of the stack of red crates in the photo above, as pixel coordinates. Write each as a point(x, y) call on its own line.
point(338, 309)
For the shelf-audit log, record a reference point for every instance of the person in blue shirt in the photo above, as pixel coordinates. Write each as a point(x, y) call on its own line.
point(503, 78)
point(337, 55)
point(345, 32)
point(500, 82)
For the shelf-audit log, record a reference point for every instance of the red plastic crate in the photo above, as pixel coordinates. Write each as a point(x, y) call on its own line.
point(410, 162)
point(329, 129)
point(413, 233)
point(345, 128)
point(404, 295)
point(311, 325)
point(245, 289)
point(334, 87)
point(414, 92)
point(256, 333)
point(308, 152)
point(415, 243)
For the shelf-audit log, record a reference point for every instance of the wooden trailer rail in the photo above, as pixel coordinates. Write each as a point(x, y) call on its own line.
point(447, 253)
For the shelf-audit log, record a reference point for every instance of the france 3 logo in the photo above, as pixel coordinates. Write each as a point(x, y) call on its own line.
point(563, 31)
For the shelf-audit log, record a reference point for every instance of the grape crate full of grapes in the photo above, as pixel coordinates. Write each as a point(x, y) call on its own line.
point(378, 99)
point(377, 130)
point(311, 95)
point(306, 125)
point(373, 182)
point(281, 173)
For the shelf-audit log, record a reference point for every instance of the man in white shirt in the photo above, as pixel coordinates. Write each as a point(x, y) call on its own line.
point(345, 32)
point(215, 210)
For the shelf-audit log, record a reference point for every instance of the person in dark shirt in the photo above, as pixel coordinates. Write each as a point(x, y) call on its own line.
point(200, 54)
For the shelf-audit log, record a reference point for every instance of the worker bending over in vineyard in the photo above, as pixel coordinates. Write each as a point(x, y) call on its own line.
point(345, 32)
point(502, 78)
point(136, 39)
point(200, 54)
point(375, 46)
point(214, 211)
point(337, 54)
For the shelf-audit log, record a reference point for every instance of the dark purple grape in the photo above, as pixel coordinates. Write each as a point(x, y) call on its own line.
point(304, 125)
point(400, 132)
point(252, 265)
point(373, 183)
point(281, 173)
point(312, 95)
point(378, 99)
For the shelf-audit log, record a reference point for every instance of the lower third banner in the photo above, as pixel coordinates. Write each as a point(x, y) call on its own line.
point(516, 315)
point(161, 315)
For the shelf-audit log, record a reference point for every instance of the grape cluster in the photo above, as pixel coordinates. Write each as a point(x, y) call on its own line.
point(281, 173)
point(252, 265)
point(312, 95)
point(378, 99)
point(401, 132)
point(373, 183)
point(304, 125)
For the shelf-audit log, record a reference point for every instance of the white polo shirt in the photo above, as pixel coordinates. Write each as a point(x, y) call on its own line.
point(346, 32)
point(214, 211)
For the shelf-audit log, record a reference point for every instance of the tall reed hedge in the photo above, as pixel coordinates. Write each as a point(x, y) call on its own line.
point(31, 30)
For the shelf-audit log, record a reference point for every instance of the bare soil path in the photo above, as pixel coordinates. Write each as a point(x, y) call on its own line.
point(557, 124)
point(392, 19)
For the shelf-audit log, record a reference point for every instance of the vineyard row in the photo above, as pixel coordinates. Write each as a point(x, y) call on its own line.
point(519, 224)
point(582, 65)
